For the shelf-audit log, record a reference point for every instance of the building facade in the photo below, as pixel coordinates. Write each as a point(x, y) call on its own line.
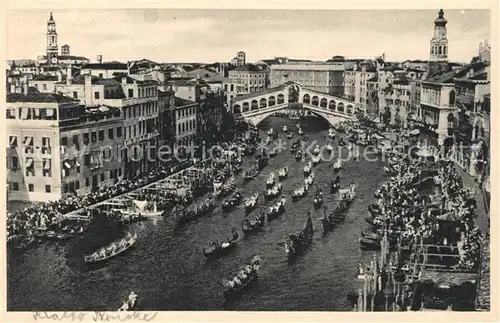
point(248, 78)
point(321, 77)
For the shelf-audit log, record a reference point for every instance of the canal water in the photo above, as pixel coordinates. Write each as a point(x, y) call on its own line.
point(168, 271)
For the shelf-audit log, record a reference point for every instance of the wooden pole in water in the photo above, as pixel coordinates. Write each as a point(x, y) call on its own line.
point(365, 290)
point(360, 300)
point(375, 281)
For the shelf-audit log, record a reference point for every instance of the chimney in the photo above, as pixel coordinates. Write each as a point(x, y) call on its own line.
point(99, 59)
point(59, 76)
point(88, 89)
point(69, 75)
point(124, 80)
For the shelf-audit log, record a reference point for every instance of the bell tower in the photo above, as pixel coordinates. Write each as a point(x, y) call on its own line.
point(52, 49)
point(439, 45)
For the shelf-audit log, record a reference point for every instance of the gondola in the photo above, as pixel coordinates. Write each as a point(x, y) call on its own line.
point(318, 199)
point(374, 209)
point(284, 129)
point(370, 236)
point(273, 152)
point(316, 150)
point(289, 135)
point(296, 243)
point(337, 166)
point(232, 201)
point(251, 202)
point(298, 156)
point(368, 244)
point(114, 249)
point(251, 174)
point(307, 169)
point(271, 180)
point(242, 280)
point(334, 218)
point(262, 162)
point(348, 195)
point(253, 226)
point(219, 249)
point(316, 160)
point(335, 185)
point(276, 210)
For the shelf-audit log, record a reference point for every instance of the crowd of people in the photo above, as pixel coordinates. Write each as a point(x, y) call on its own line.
point(43, 216)
point(444, 217)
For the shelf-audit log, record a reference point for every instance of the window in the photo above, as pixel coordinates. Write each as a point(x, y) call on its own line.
point(13, 141)
point(96, 95)
point(111, 133)
point(86, 160)
point(101, 135)
point(87, 181)
point(47, 189)
point(47, 168)
point(15, 163)
point(119, 132)
point(119, 172)
point(64, 141)
point(76, 142)
point(75, 94)
point(93, 137)
point(15, 186)
point(31, 187)
point(86, 139)
point(102, 177)
point(77, 185)
point(11, 113)
point(100, 75)
point(130, 93)
point(45, 87)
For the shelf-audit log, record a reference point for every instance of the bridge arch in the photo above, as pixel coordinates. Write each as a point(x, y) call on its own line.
point(340, 107)
point(281, 98)
point(254, 105)
point(263, 103)
point(323, 103)
point(246, 107)
point(271, 101)
point(306, 98)
point(332, 105)
point(315, 100)
point(236, 108)
point(349, 109)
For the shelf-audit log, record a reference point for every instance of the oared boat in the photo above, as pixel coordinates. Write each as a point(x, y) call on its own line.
point(197, 210)
point(273, 192)
point(307, 169)
point(374, 209)
point(348, 194)
point(271, 180)
point(368, 244)
point(242, 280)
point(337, 166)
point(334, 218)
point(253, 226)
point(250, 174)
point(130, 303)
point(276, 209)
point(296, 243)
point(370, 236)
point(316, 159)
point(114, 249)
point(298, 156)
point(341, 142)
point(216, 249)
point(318, 199)
point(300, 192)
point(251, 202)
point(231, 201)
point(283, 173)
point(273, 152)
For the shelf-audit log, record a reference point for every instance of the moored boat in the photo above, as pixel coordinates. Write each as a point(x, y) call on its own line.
point(232, 201)
point(318, 199)
point(335, 185)
point(255, 225)
point(114, 249)
point(369, 244)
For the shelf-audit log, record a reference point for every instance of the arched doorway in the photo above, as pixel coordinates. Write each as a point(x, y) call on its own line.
point(452, 98)
point(323, 103)
point(293, 94)
point(306, 99)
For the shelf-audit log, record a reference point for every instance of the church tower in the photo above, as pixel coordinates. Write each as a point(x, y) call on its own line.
point(52, 49)
point(438, 60)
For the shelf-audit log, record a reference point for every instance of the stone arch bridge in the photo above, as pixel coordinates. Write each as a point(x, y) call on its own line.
point(255, 107)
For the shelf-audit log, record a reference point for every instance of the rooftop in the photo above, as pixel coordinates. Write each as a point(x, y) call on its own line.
point(106, 66)
point(42, 77)
point(71, 57)
point(37, 97)
point(179, 102)
point(247, 68)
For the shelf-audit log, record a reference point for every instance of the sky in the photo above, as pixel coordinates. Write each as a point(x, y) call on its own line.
point(167, 35)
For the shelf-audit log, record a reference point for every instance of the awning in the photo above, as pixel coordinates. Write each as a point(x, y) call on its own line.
point(67, 165)
point(29, 162)
point(447, 217)
point(13, 140)
point(37, 112)
point(24, 113)
point(50, 112)
point(415, 132)
point(77, 164)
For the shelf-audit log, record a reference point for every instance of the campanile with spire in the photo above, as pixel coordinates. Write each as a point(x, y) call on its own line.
point(52, 48)
point(438, 50)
